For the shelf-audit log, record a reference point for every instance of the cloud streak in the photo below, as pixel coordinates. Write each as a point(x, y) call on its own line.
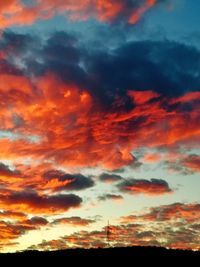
point(15, 12)
point(74, 221)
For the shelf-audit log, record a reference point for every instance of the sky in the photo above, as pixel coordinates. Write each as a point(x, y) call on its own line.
point(99, 122)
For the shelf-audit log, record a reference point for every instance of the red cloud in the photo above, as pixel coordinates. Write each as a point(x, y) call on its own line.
point(192, 162)
point(14, 12)
point(151, 158)
point(69, 129)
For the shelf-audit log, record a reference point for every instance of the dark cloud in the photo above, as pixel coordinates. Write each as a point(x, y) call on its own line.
point(37, 221)
point(185, 164)
point(16, 43)
point(110, 197)
point(6, 171)
point(154, 187)
point(136, 164)
point(6, 67)
point(31, 202)
point(74, 221)
point(69, 181)
point(169, 68)
point(192, 162)
point(176, 166)
point(166, 67)
point(109, 178)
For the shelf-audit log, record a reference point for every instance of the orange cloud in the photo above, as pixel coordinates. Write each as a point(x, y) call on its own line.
point(151, 158)
point(54, 183)
point(135, 16)
point(14, 230)
point(67, 128)
point(13, 215)
point(177, 211)
point(14, 12)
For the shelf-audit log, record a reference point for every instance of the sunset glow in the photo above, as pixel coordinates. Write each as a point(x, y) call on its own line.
point(99, 121)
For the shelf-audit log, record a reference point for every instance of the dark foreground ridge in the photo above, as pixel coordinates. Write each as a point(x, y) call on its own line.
point(136, 254)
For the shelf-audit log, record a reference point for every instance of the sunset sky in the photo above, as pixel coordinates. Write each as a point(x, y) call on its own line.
point(99, 121)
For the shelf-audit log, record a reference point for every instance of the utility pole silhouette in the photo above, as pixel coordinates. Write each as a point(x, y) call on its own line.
point(108, 234)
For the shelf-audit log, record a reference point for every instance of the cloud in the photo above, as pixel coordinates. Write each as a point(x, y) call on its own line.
point(176, 211)
point(54, 244)
point(167, 225)
point(31, 202)
point(151, 158)
point(74, 221)
point(87, 239)
point(174, 225)
point(9, 231)
point(58, 181)
point(110, 197)
point(108, 117)
point(180, 237)
point(154, 187)
point(67, 104)
point(13, 230)
point(15, 12)
point(145, 65)
point(109, 178)
point(71, 138)
point(192, 162)
point(130, 235)
point(185, 164)
point(120, 235)
point(6, 171)
point(13, 215)
point(98, 139)
point(9, 176)
point(36, 221)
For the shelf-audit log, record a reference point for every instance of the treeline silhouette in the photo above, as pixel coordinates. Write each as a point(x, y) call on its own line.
point(150, 255)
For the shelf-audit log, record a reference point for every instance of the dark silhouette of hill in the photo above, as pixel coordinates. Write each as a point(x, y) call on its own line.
point(130, 255)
